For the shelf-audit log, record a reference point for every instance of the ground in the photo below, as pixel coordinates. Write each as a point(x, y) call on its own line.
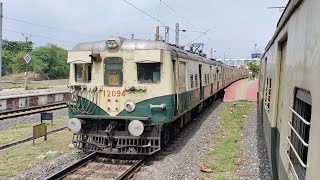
point(245, 89)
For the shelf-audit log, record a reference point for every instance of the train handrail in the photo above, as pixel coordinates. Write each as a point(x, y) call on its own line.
point(298, 115)
point(292, 167)
point(297, 155)
point(303, 142)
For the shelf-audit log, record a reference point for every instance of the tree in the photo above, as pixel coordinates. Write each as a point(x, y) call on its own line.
point(51, 60)
point(254, 68)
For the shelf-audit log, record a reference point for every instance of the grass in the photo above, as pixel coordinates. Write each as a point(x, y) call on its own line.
point(25, 156)
point(23, 130)
point(222, 156)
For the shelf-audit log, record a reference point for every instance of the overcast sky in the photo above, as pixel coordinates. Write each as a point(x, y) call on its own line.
point(237, 24)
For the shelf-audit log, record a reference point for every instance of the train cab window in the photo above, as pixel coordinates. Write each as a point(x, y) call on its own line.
point(113, 75)
point(148, 72)
point(300, 131)
point(83, 72)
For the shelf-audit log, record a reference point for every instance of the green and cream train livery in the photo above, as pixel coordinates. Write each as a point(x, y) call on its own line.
point(124, 94)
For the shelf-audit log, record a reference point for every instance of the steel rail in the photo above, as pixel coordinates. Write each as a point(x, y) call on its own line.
point(29, 139)
point(79, 164)
point(130, 171)
point(73, 167)
point(32, 110)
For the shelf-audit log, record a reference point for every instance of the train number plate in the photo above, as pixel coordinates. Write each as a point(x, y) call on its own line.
point(114, 93)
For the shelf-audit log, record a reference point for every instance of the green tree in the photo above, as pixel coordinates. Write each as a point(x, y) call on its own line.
point(51, 60)
point(254, 67)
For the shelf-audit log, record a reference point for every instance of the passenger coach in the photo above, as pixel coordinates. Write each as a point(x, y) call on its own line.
point(129, 96)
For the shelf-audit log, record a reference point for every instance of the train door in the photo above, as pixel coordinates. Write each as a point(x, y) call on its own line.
point(217, 78)
point(210, 79)
point(200, 76)
point(182, 87)
point(279, 99)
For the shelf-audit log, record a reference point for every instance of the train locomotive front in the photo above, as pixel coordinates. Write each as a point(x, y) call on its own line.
point(121, 95)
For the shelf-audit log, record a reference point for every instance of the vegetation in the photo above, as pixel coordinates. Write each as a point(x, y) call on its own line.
point(222, 157)
point(23, 130)
point(25, 156)
point(254, 67)
point(50, 59)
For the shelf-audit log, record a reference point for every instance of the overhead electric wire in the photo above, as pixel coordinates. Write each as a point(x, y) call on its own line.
point(199, 36)
point(35, 35)
point(180, 15)
point(50, 27)
point(152, 17)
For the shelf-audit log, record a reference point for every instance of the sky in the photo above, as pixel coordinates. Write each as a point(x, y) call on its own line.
point(236, 25)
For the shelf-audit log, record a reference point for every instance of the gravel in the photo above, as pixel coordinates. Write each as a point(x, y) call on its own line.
point(181, 159)
point(44, 170)
point(33, 118)
point(254, 162)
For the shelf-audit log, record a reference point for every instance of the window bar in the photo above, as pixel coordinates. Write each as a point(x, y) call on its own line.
point(303, 142)
point(297, 155)
point(292, 167)
point(298, 115)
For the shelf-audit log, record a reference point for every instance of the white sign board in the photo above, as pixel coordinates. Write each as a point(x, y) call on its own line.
point(27, 58)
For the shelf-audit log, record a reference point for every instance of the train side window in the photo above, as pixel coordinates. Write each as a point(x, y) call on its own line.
point(148, 72)
point(191, 81)
point(196, 80)
point(83, 73)
point(300, 131)
point(269, 94)
point(113, 75)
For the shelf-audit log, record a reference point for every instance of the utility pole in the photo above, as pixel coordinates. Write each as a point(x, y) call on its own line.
point(27, 48)
point(1, 46)
point(211, 53)
point(157, 33)
point(177, 34)
point(166, 34)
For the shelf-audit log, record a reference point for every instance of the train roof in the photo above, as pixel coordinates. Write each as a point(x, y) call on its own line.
point(139, 44)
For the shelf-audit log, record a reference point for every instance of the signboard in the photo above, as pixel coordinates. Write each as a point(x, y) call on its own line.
point(113, 79)
point(39, 130)
point(46, 117)
point(27, 58)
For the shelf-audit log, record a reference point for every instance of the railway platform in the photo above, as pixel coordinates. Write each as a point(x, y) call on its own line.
point(244, 89)
point(17, 100)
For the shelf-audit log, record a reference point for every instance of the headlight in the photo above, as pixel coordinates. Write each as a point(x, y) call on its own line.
point(136, 128)
point(113, 43)
point(74, 125)
point(129, 106)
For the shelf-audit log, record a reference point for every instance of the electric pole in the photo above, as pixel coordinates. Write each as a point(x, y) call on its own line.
point(27, 48)
point(1, 46)
point(177, 34)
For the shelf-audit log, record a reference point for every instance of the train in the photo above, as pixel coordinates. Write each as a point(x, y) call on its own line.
point(289, 97)
point(130, 96)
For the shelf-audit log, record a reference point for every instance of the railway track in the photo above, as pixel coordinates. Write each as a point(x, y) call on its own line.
point(96, 166)
point(32, 110)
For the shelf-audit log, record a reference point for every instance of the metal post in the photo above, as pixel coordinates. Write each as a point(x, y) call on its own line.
point(26, 83)
point(157, 33)
point(166, 34)
point(1, 46)
point(177, 34)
